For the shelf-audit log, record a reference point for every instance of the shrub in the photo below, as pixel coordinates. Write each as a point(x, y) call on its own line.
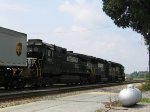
point(145, 86)
point(145, 100)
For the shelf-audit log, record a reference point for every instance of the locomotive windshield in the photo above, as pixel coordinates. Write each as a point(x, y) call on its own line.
point(34, 51)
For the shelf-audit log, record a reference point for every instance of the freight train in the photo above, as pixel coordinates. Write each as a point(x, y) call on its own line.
point(37, 63)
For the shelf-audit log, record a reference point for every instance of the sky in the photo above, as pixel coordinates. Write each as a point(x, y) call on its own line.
point(78, 25)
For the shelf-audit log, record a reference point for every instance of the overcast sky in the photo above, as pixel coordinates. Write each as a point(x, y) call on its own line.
point(78, 25)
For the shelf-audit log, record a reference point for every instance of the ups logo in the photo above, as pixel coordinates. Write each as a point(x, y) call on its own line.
point(18, 48)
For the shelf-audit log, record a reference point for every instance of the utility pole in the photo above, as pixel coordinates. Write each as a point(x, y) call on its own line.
point(149, 63)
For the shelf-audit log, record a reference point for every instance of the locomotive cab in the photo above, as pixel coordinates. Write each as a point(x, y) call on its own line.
point(34, 57)
point(34, 49)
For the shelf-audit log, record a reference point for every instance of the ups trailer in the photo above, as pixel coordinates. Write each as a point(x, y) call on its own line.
point(13, 56)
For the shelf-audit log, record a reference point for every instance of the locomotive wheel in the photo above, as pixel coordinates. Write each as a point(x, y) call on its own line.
point(46, 82)
point(6, 87)
point(20, 84)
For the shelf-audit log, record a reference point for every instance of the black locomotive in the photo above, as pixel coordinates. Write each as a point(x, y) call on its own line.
point(51, 64)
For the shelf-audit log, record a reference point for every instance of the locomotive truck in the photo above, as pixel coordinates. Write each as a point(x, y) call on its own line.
point(37, 63)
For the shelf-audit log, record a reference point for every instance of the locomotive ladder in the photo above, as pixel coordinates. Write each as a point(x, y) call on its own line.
point(35, 66)
point(38, 67)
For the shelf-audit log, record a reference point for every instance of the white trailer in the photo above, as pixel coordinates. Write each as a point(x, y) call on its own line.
point(13, 48)
point(13, 58)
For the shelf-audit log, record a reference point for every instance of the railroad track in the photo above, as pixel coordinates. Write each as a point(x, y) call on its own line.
point(12, 95)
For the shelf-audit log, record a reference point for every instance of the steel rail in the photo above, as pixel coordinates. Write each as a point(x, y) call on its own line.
point(4, 96)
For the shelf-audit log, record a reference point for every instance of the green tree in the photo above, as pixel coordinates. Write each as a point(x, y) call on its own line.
point(130, 13)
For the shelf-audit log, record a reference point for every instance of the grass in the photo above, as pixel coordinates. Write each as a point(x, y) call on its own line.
point(116, 104)
point(145, 100)
point(99, 110)
point(145, 86)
